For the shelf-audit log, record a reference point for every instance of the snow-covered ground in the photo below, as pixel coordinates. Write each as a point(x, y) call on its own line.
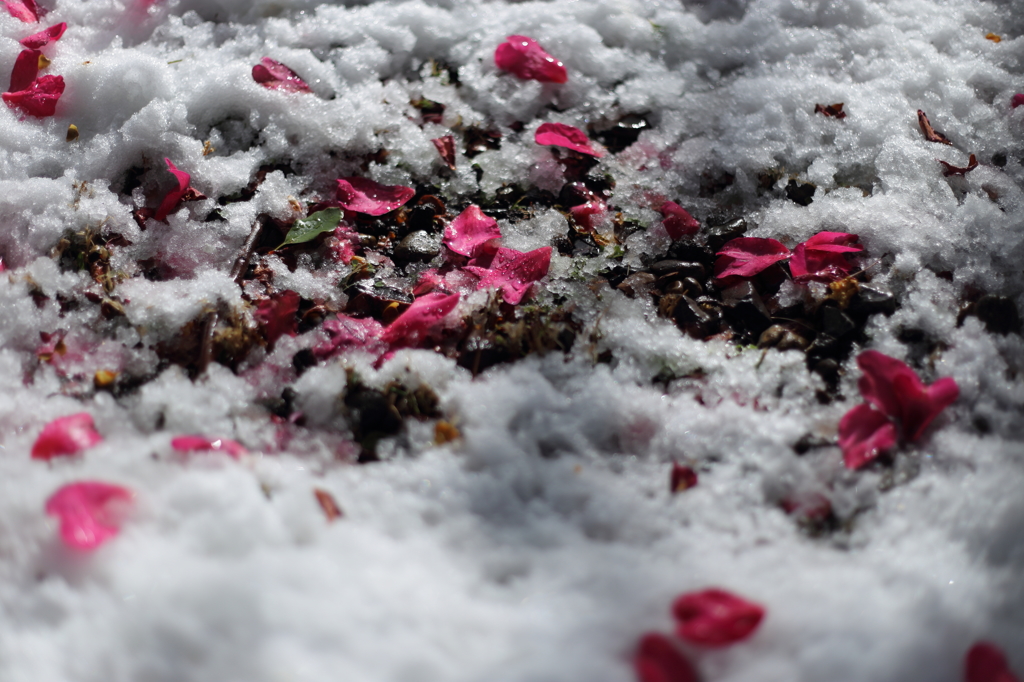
point(542, 541)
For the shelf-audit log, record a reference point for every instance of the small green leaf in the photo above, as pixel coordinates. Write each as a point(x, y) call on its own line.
point(310, 228)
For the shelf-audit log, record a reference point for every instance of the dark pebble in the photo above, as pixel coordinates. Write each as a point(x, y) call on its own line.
point(720, 233)
point(678, 267)
point(871, 299)
point(835, 322)
point(998, 313)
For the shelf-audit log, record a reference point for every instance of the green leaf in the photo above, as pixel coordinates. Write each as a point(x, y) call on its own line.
point(310, 228)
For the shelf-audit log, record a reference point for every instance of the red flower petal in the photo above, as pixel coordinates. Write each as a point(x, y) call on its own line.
point(26, 68)
point(350, 332)
point(472, 233)
point(747, 256)
point(589, 215)
point(66, 436)
point(876, 383)
point(864, 433)
point(822, 257)
point(922, 405)
point(276, 76)
point(40, 98)
point(418, 321)
point(678, 221)
point(276, 315)
point(1018, 100)
point(232, 448)
point(446, 148)
point(173, 197)
point(513, 272)
point(523, 57)
point(45, 37)
point(366, 196)
point(658, 660)
point(682, 478)
point(561, 135)
point(89, 512)
point(986, 663)
point(714, 617)
point(26, 10)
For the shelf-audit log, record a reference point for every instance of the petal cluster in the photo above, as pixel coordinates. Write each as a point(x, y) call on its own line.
point(89, 512)
point(33, 94)
point(526, 59)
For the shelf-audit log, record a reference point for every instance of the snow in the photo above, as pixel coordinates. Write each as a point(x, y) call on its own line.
point(543, 543)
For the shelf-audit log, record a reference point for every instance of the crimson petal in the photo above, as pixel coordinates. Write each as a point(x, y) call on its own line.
point(89, 512)
point(173, 197)
point(920, 405)
point(372, 198)
point(678, 221)
point(986, 662)
point(526, 59)
point(45, 37)
point(513, 272)
point(864, 433)
point(40, 98)
point(446, 149)
point(232, 448)
point(472, 233)
point(274, 75)
point(715, 618)
point(276, 314)
point(349, 332)
point(562, 135)
point(66, 436)
point(747, 256)
point(658, 660)
point(26, 10)
point(419, 319)
point(1017, 100)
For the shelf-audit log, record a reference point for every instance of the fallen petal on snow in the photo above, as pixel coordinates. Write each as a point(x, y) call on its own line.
point(232, 448)
point(274, 75)
point(372, 198)
point(747, 256)
point(986, 662)
point(949, 169)
point(682, 478)
point(823, 257)
point(446, 148)
point(26, 10)
point(714, 617)
point(90, 512)
point(561, 135)
point(349, 332)
point(45, 37)
point(658, 660)
point(895, 389)
point(678, 221)
point(25, 70)
point(864, 433)
point(419, 319)
point(276, 315)
point(513, 272)
point(472, 233)
point(174, 197)
point(526, 59)
point(1017, 100)
point(66, 436)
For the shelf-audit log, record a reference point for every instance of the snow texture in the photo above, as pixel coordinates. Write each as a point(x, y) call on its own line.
point(545, 541)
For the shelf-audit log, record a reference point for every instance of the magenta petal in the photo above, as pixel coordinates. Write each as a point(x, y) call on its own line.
point(1018, 100)
point(45, 37)
point(472, 233)
point(40, 98)
point(986, 662)
point(513, 272)
point(26, 68)
point(526, 59)
point(678, 221)
point(561, 135)
point(836, 242)
point(864, 433)
point(276, 315)
point(89, 512)
point(173, 197)
point(589, 215)
point(920, 406)
point(747, 256)
point(446, 149)
point(66, 436)
point(26, 10)
point(372, 198)
point(419, 319)
point(274, 75)
point(658, 660)
point(232, 448)
point(715, 618)
point(876, 384)
point(349, 332)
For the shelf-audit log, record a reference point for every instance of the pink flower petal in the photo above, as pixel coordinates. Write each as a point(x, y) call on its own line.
point(714, 617)
point(90, 512)
point(231, 448)
point(822, 257)
point(173, 197)
point(276, 315)
point(446, 148)
point(678, 222)
point(45, 37)
point(561, 135)
point(658, 660)
point(513, 272)
point(1018, 100)
point(366, 196)
point(682, 478)
point(350, 332)
point(276, 76)
point(40, 98)
point(588, 216)
point(747, 256)
point(864, 433)
point(419, 319)
point(26, 10)
point(66, 436)
point(986, 662)
point(876, 383)
point(920, 406)
point(472, 233)
point(526, 59)
point(26, 68)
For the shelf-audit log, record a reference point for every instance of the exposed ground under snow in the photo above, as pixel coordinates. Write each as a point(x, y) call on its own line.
point(542, 543)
